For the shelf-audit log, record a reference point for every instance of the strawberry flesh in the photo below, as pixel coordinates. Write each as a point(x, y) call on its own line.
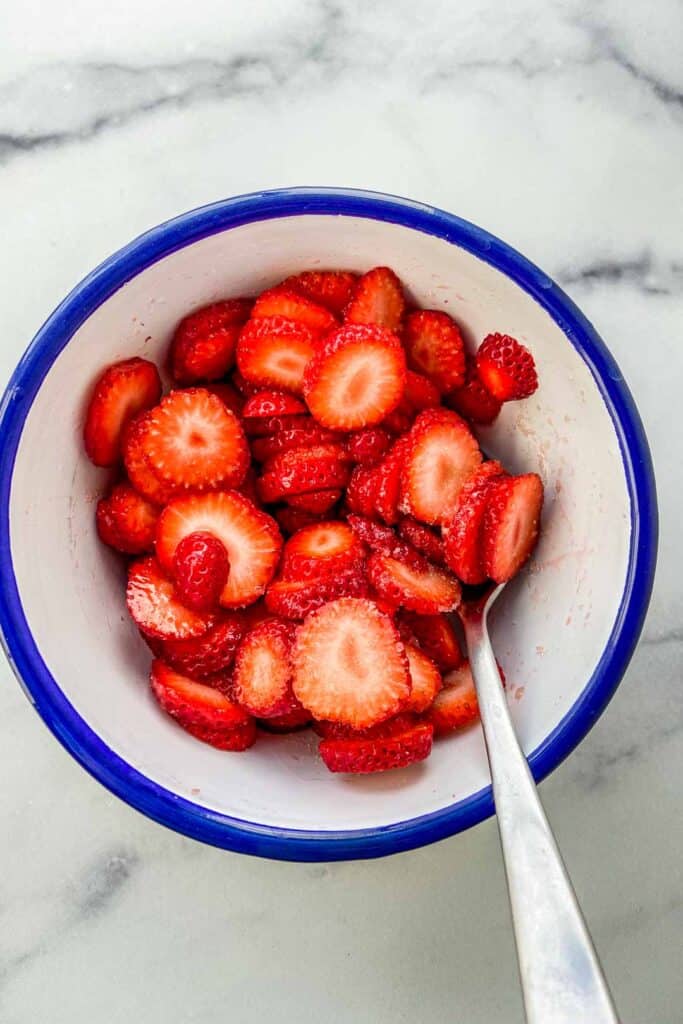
point(425, 679)
point(511, 523)
point(423, 588)
point(463, 536)
point(440, 453)
point(155, 608)
point(120, 393)
point(126, 521)
point(273, 352)
point(291, 305)
point(435, 348)
point(206, 712)
point(364, 756)
point(272, 403)
point(377, 299)
point(329, 288)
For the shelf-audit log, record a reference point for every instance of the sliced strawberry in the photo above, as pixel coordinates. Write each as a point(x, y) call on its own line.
point(323, 549)
point(422, 539)
point(329, 288)
point(463, 535)
point(367, 447)
point(203, 711)
point(420, 393)
point(383, 539)
point(419, 588)
point(297, 598)
point(440, 453)
point(193, 441)
point(472, 400)
point(389, 727)
point(356, 377)
point(262, 680)
point(203, 346)
point(250, 537)
point(362, 490)
point(273, 352)
point(349, 665)
point(456, 704)
point(435, 347)
point(511, 519)
point(200, 571)
point(389, 477)
point(315, 502)
point(154, 607)
point(306, 434)
point(208, 654)
point(272, 403)
point(291, 305)
point(228, 395)
point(425, 679)
point(139, 471)
point(377, 299)
point(437, 638)
point(301, 470)
point(378, 755)
point(126, 521)
point(245, 387)
point(259, 427)
point(506, 368)
point(292, 519)
point(291, 721)
point(120, 393)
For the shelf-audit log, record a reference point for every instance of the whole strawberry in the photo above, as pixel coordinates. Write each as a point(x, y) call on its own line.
point(201, 568)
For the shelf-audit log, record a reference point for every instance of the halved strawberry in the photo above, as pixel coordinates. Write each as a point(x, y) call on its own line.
point(120, 393)
point(203, 345)
point(329, 288)
point(140, 473)
point(204, 711)
point(425, 679)
point(383, 539)
point(200, 571)
point(323, 549)
point(349, 665)
point(316, 502)
point(472, 400)
point(506, 368)
point(250, 537)
point(378, 755)
point(285, 302)
point(463, 535)
point(292, 519)
point(305, 434)
point(228, 395)
point(193, 441)
point(297, 598)
point(356, 377)
point(291, 721)
point(435, 347)
point(126, 521)
point(440, 453)
point(154, 607)
point(377, 299)
point(437, 638)
point(208, 654)
point(456, 704)
point(301, 470)
point(262, 679)
point(511, 519)
point(419, 588)
point(272, 403)
point(422, 539)
point(273, 352)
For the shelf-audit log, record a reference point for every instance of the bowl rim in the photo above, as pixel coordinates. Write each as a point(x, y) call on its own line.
point(203, 823)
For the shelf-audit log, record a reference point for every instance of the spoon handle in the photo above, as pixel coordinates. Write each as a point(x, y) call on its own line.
point(562, 981)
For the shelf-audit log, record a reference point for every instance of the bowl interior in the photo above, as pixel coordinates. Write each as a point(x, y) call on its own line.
point(550, 629)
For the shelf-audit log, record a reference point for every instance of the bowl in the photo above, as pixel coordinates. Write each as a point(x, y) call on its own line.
point(564, 631)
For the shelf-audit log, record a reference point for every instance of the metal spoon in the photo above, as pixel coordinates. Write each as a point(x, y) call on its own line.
point(562, 980)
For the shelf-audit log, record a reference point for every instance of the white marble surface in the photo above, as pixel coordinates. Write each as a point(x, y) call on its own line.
point(557, 125)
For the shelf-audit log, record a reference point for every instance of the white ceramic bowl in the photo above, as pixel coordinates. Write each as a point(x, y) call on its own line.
point(564, 631)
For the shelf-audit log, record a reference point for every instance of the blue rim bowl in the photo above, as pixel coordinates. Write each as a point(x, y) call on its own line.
point(292, 844)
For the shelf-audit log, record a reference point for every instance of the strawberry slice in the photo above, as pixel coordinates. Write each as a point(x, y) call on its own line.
point(139, 471)
point(315, 502)
point(435, 347)
point(388, 481)
point(422, 539)
point(367, 447)
point(440, 453)
point(205, 655)
point(193, 441)
point(463, 536)
point(323, 549)
point(291, 721)
point(200, 571)
point(363, 756)
point(126, 521)
point(436, 637)
point(292, 519)
point(361, 491)
point(120, 393)
point(297, 598)
point(356, 377)
point(389, 727)
point(273, 352)
point(420, 393)
point(349, 665)
point(272, 403)
point(260, 427)
point(262, 680)
point(377, 299)
point(456, 704)
point(203, 711)
point(305, 434)
point(419, 588)
point(250, 537)
point(383, 539)
point(506, 368)
point(472, 400)
point(301, 470)
point(203, 345)
point(154, 607)
point(425, 679)
point(329, 288)
point(511, 520)
point(228, 395)
point(291, 305)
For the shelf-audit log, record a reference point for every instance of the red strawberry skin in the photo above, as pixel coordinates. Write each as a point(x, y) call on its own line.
point(296, 598)
point(325, 548)
point(315, 502)
point(200, 571)
point(463, 536)
point(329, 288)
point(456, 705)
point(472, 400)
point(272, 403)
point(121, 392)
point(424, 540)
point(204, 711)
point(301, 470)
point(377, 299)
point(506, 368)
point(126, 521)
point(140, 473)
point(203, 346)
point(284, 302)
point(435, 348)
point(420, 588)
point(365, 756)
point(290, 721)
point(511, 524)
point(206, 655)
point(155, 608)
point(436, 637)
point(367, 447)
point(262, 680)
point(292, 519)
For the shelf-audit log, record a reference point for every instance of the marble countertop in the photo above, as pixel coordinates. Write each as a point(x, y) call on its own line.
point(558, 127)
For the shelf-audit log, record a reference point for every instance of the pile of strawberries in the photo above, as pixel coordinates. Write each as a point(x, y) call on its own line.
point(303, 507)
